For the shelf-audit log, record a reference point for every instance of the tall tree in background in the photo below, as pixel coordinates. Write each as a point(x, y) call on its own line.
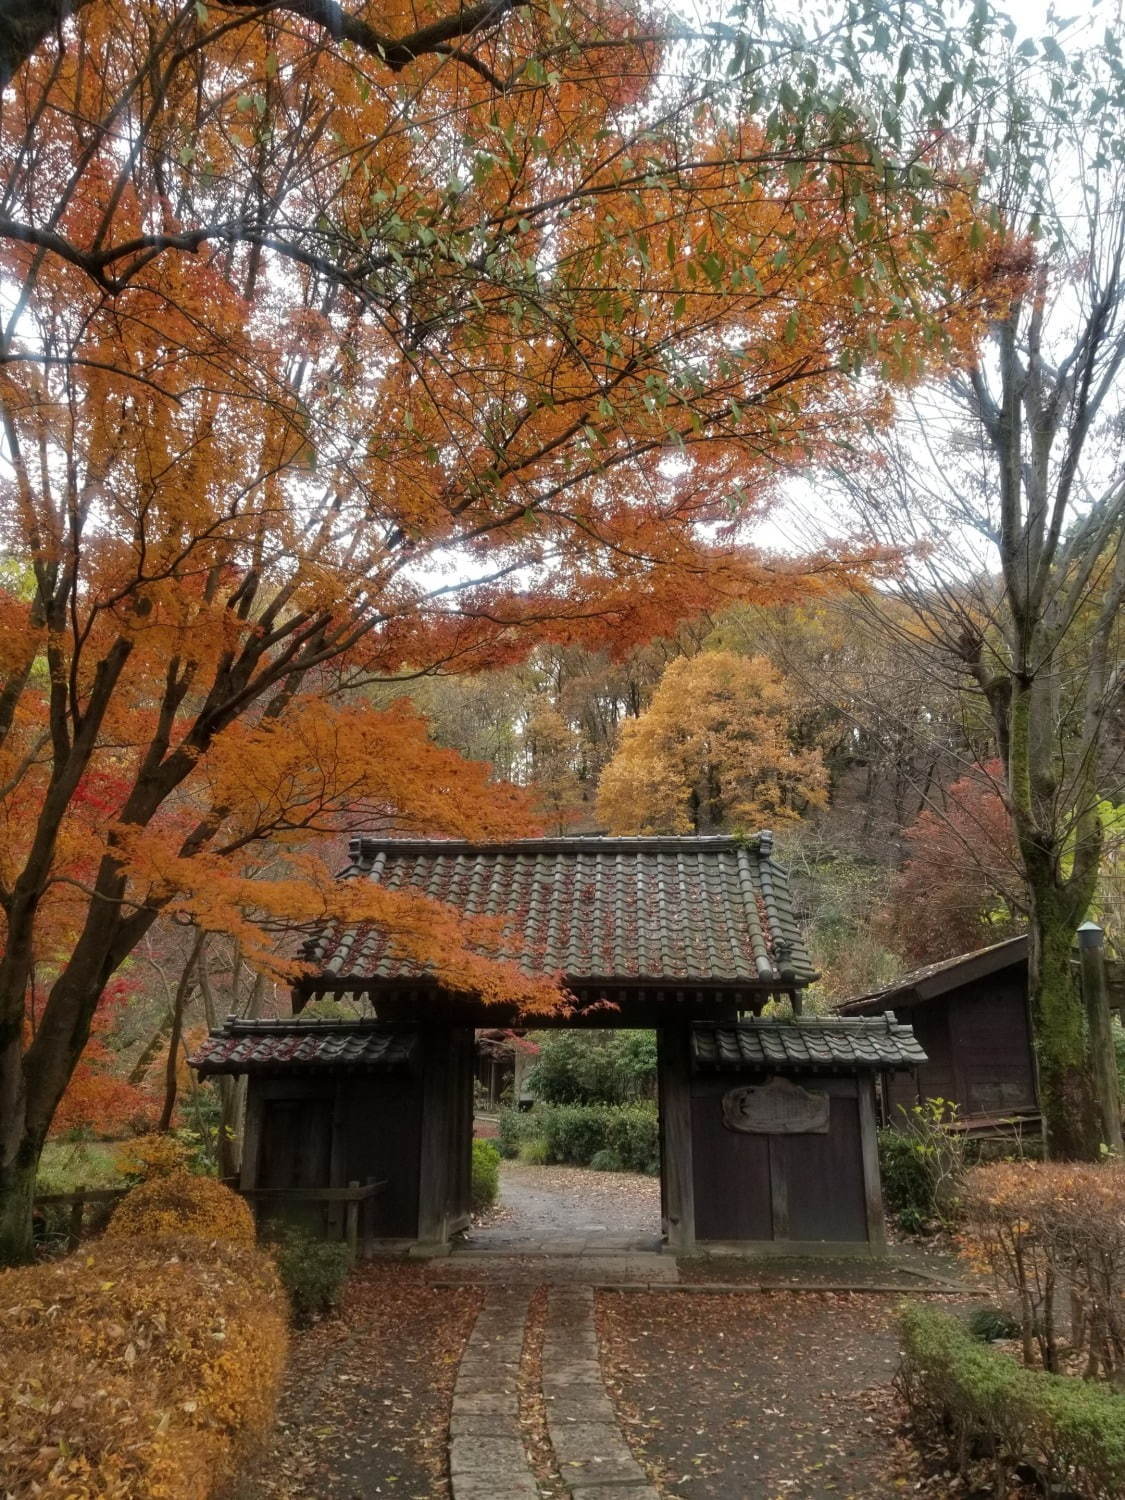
point(1026, 472)
point(713, 752)
point(961, 886)
point(329, 365)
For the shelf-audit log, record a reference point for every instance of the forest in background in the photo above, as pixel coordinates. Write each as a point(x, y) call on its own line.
point(878, 777)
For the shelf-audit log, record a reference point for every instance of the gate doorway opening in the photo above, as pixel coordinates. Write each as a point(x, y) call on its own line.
point(574, 1115)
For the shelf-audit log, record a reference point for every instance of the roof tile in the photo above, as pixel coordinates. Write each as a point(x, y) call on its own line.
point(881, 1043)
point(680, 910)
point(288, 1046)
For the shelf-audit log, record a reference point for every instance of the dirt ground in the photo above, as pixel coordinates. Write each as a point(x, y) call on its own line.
point(733, 1396)
point(781, 1396)
point(365, 1410)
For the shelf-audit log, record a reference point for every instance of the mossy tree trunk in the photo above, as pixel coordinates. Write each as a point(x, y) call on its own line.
point(1046, 665)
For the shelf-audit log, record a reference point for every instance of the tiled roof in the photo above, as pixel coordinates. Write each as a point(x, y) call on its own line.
point(677, 910)
point(939, 978)
point(835, 1042)
point(276, 1046)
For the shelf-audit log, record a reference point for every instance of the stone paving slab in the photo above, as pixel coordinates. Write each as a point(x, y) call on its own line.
point(593, 1458)
point(555, 1270)
point(618, 1492)
point(487, 1457)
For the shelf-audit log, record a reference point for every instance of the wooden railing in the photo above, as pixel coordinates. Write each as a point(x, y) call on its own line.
point(79, 1200)
point(353, 1197)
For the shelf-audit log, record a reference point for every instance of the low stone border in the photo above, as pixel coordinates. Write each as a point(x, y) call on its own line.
point(754, 1288)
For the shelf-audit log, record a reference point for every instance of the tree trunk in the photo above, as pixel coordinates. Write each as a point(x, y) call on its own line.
point(19, 1167)
point(1071, 1119)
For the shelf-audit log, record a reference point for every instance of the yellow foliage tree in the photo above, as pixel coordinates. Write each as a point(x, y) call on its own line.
point(714, 751)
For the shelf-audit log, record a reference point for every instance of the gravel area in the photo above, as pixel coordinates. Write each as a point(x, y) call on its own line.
point(543, 1204)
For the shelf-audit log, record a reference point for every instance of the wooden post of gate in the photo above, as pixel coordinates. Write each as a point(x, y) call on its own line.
point(869, 1148)
point(674, 1055)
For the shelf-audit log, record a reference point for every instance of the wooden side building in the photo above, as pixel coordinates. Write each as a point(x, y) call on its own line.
point(971, 1017)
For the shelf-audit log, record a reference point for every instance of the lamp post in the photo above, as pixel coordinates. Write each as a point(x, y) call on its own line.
point(1091, 948)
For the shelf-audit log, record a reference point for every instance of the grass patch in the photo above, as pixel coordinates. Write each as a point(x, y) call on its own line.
point(65, 1166)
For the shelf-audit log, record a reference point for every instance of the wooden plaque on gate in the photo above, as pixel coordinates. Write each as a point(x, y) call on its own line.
point(776, 1108)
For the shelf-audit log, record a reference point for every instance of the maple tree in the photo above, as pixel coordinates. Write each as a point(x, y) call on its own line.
point(713, 751)
point(341, 375)
point(961, 886)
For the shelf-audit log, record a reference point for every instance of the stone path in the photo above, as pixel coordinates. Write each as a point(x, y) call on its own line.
point(593, 1457)
point(487, 1456)
point(487, 1459)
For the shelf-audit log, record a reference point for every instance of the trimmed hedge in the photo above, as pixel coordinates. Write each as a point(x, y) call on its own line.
point(486, 1175)
point(137, 1369)
point(574, 1134)
point(178, 1203)
point(982, 1402)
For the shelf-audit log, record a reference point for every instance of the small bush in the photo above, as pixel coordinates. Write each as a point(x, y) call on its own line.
point(922, 1165)
point(137, 1369)
point(1043, 1226)
point(605, 1161)
point(980, 1401)
point(485, 1176)
point(515, 1127)
point(313, 1271)
point(573, 1134)
point(179, 1204)
point(991, 1323)
point(155, 1155)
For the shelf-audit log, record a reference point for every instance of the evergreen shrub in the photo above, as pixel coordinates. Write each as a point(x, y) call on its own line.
point(980, 1402)
point(594, 1067)
point(313, 1271)
point(573, 1134)
point(922, 1165)
point(485, 1176)
point(605, 1161)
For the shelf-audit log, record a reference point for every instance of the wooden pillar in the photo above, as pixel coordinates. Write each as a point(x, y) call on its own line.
point(869, 1145)
point(251, 1136)
point(433, 1154)
point(677, 1175)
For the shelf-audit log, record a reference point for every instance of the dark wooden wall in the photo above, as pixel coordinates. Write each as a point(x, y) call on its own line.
point(329, 1131)
point(978, 1040)
point(775, 1187)
point(382, 1123)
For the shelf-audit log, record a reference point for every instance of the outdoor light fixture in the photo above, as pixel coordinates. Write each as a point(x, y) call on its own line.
point(1090, 935)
